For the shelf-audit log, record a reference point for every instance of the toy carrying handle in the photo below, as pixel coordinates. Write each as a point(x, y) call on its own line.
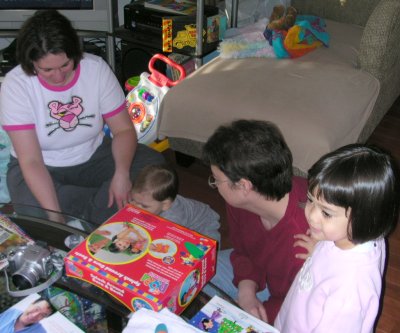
point(160, 79)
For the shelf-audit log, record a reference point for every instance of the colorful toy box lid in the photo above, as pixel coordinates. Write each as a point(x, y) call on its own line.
point(144, 260)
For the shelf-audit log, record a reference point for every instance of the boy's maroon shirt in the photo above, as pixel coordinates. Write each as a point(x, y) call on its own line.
point(268, 256)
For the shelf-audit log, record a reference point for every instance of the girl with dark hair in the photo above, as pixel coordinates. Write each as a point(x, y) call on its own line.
point(353, 203)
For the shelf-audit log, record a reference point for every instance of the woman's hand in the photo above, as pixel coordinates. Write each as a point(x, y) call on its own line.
point(123, 148)
point(55, 217)
point(306, 241)
point(248, 300)
point(119, 191)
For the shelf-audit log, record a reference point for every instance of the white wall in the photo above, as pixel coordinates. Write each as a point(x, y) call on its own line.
point(121, 4)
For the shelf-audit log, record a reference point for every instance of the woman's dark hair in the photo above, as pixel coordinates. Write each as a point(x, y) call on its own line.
point(253, 150)
point(161, 180)
point(363, 180)
point(47, 31)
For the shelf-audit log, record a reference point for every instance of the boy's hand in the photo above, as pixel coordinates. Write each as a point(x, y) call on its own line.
point(305, 241)
point(248, 300)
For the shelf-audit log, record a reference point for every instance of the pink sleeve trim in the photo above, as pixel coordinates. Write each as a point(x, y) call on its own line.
point(116, 111)
point(18, 127)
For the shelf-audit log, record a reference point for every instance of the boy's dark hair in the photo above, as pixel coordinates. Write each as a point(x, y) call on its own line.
point(161, 180)
point(47, 31)
point(254, 150)
point(364, 179)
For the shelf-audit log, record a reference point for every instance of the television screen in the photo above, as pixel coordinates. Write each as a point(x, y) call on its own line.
point(92, 15)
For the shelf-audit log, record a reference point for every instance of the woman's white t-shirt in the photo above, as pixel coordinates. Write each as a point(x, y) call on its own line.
point(68, 120)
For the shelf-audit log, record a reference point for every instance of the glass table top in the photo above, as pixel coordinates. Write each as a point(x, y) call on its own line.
point(64, 232)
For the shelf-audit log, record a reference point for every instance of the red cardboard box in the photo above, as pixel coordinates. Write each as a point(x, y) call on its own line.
point(144, 260)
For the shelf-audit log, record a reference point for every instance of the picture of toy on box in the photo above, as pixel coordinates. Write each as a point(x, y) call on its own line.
point(144, 260)
point(119, 242)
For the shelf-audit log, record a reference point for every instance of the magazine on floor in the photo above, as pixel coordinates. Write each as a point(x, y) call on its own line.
point(35, 314)
point(11, 235)
point(218, 315)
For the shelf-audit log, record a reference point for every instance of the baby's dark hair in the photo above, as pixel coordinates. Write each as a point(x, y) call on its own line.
point(161, 180)
point(364, 180)
point(114, 248)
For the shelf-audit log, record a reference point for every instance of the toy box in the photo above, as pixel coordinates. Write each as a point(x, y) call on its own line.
point(144, 260)
point(179, 33)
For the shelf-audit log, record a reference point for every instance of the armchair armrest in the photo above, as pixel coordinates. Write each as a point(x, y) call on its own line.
point(380, 44)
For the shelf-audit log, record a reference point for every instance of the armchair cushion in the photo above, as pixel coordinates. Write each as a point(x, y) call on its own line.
point(320, 101)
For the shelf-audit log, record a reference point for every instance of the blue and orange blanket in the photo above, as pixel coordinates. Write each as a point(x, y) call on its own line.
point(306, 35)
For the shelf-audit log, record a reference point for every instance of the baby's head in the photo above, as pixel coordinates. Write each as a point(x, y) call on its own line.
point(360, 180)
point(155, 188)
point(119, 245)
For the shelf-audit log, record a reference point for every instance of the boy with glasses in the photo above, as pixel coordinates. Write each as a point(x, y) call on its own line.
point(251, 167)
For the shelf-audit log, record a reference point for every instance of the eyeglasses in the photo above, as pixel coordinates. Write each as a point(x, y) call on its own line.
point(213, 183)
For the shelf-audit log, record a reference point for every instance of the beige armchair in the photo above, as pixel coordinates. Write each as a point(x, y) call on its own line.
point(330, 97)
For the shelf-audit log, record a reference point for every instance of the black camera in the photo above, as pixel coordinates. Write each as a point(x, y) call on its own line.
point(28, 264)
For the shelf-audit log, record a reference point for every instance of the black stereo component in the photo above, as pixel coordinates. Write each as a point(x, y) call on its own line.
point(135, 59)
point(138, 18)
point(7, 58)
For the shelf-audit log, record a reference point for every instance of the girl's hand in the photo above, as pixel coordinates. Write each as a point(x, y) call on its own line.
point(248, 300)
point(307, 242)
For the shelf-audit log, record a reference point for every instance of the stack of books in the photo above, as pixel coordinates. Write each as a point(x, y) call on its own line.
point(11, 235)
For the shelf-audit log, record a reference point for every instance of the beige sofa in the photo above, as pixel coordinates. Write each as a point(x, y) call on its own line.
point(321, 101)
